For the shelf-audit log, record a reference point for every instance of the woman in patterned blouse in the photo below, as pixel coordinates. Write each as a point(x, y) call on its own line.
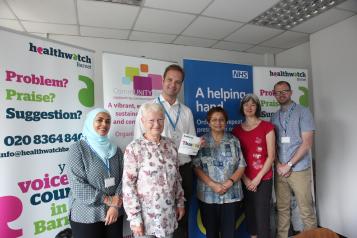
point(219, 167)
point(152, 193)
point(95, 175)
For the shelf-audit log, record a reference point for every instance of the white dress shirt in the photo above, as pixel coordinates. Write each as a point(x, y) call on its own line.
point(185, 124)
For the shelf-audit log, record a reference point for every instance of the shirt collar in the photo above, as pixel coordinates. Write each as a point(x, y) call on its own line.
point(162, 99)
point(224, 139)
point(288, 108)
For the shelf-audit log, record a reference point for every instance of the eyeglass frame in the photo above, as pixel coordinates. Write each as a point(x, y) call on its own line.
point(282, 92)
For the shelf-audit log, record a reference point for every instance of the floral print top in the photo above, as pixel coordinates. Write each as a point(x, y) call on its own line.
point(152, 185)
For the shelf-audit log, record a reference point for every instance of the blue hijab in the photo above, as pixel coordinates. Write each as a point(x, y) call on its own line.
point(100, 144)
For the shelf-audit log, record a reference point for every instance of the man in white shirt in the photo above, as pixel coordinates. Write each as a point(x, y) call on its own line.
point(179, 120)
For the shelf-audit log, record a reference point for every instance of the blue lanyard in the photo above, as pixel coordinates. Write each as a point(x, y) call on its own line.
point(107, 166)
point(168, 116)
point(287, 119)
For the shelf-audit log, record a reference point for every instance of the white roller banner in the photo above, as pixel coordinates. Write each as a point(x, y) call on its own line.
point(264, 79)
point(128, 82)
point(45, 90)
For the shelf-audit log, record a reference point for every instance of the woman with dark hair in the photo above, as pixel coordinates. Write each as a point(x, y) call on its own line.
point(219, 166)
point(95, 176)
point(257, 139)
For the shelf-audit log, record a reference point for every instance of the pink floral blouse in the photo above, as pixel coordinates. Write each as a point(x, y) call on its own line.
point(152, 185)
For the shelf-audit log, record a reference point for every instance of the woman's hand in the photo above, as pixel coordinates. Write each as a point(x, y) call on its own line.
point(117, 201)
point(113, 201)
point(180, 212)
point(218, 188)
point(138, 230)
point(112, 216)
point(202, 142)
point(254, 184)
point(227, 185)
point(249, 184)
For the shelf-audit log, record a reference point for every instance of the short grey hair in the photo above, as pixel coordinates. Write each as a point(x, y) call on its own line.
point(151, 107)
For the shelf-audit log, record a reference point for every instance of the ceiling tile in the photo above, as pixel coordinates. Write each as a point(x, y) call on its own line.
point(350, 5)
point(211, 28)
point(323, 20)
point(151, 37)
point(225, 45)
point(188, 6)
point(238, 10)
point(159, 21)
point(12, 24)
point(106, 14)
point(253, 34)
point(50, 28)
point(5, 12)
point(193, 41)
point(51, 11)
point(103, 32)
point(287, 40)
point(264, 50)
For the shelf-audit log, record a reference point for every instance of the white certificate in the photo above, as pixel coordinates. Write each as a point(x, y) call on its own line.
point(189, 145)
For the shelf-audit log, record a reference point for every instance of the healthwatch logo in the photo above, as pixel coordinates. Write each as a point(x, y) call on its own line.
point(56, 52)
point(285, 73)
point(239, 74)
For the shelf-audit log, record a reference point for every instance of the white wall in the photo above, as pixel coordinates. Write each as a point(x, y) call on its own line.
point(167, 52)
point(334, 70)
point(297, 57)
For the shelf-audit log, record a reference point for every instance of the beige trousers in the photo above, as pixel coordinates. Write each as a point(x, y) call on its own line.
point(300, 184)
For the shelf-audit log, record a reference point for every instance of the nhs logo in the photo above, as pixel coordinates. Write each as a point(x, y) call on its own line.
point(239, 74)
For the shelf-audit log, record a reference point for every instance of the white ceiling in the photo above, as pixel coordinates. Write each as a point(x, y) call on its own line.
point(220, 24)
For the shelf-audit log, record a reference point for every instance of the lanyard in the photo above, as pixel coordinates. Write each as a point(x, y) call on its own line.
point(287, 119)
point(105, 161)
point(168, 116)
point(107, 166)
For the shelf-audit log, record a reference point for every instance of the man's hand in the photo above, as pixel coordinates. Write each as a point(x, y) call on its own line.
point(284, 170)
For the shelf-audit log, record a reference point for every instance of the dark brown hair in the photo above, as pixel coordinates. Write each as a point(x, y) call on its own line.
point(283, 82)
point(216, 109)
point(255, 100)
point(175, 67)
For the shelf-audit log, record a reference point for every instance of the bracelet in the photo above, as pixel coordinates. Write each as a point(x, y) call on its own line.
point(232, 180)
point(110, 200)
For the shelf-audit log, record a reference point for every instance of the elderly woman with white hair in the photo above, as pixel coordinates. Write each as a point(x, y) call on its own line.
point(152, 194)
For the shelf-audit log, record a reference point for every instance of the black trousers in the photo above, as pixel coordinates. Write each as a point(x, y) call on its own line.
point(98, 229)
point(187, 183)
point(219, 218)
point(257, 210)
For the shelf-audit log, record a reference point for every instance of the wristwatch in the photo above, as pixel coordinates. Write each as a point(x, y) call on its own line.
point(290, 164)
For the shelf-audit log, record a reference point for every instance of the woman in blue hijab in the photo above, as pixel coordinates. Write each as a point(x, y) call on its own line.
point(95, 176)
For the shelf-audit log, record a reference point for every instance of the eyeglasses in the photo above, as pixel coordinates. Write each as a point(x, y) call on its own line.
point(217, 120)
point(282, 92)
point(159, 121)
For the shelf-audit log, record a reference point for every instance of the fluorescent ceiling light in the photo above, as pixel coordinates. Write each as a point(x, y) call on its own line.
point(290, 13)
